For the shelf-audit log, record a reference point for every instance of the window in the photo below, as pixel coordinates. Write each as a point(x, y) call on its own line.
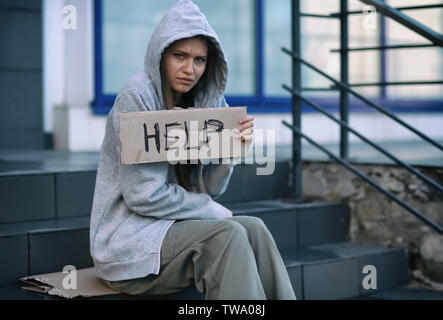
point(130, 26)
point(430, 64)
point(252, 33)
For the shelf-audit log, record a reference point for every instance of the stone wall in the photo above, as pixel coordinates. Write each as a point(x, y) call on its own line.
point(377, 219)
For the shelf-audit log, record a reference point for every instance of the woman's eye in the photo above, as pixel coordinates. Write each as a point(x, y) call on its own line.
point(179, 55)
point(201, 60)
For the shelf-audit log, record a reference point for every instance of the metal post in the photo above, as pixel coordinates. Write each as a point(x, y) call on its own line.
point(382, 35)
point(344, 95)
point(296, 102)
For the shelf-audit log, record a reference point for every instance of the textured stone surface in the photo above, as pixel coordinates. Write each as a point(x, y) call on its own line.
point(431, 250)
point(377, 219)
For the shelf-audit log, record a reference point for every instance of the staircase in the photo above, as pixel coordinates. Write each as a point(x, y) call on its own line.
point(44, 225)
point(47, 198)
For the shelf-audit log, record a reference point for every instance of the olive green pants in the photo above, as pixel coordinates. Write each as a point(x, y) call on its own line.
point(230, 259)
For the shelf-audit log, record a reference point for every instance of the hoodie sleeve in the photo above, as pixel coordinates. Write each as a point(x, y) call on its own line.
point(216, 176)
point(145, 188)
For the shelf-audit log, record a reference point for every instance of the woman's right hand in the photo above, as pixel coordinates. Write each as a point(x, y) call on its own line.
point(229, 213)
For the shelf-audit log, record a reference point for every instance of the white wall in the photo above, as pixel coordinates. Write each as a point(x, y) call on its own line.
point(53, 60)
point(69, 80)
point(372, 125)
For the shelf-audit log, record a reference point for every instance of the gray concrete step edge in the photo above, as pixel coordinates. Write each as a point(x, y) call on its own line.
point(316, 273)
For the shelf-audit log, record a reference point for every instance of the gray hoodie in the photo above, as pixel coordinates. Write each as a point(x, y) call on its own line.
point(134, 205)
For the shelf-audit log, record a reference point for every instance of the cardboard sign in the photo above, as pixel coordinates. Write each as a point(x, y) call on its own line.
point(181, 134)
point(87, 284)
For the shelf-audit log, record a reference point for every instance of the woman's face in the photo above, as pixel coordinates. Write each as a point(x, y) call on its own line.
point(185, 62)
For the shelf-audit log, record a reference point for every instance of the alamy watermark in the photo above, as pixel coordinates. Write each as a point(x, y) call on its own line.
point(70, 281)
point(369, 18)
point(217, 147)
point(69, 17)
point(370, 280)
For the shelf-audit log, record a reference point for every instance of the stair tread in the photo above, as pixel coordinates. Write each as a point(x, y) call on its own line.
point(23, 228)
point(238, 208)
point(350, 249)
point(314, 253)
point(14, 291)
point(25, 162)
point(271, 205)
point(331, 252)
point(404, 293)
point(292, 258)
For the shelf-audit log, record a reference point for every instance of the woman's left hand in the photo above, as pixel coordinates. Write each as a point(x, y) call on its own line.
point(245, 130)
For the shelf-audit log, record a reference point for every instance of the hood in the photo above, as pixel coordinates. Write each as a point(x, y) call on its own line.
point(185, 20)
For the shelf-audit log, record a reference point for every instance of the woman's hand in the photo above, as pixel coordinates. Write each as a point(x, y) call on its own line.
point(245, 130)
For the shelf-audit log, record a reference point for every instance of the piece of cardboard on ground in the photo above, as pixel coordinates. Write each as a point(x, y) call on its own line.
point(88, 284)
point(154, 136)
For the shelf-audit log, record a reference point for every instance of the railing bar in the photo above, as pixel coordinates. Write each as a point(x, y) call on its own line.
point(313, 15)
point(431, 6)
point(319, 89)
point(368, 102)
point(296, 106)
point(362, 137)
point(367, 179)
point(406, 21)
point(344, 77)
point(399, 46)
point(395, 83)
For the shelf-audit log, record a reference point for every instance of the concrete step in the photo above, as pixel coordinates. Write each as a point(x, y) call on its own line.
point(404, 293)
point(61, 185)
point(349, 261)
point(50, 229)
point(246, 185)
point(48, 245)
point(299, 224)
point(37, 247)
point(48, 195)
point(326, 272)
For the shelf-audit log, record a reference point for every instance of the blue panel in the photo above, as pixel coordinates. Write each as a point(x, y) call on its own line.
point(50, 250)
point(283, 227)
point(391, 270)
point(282, 104)
point(98, 59)
point(331, 280)
point(21, 40)
point(260, 187)
point(23, 5)
point(14, 258)
point(26, 198)
point(21, 139)
point(259, 48)
point(323, 224)
point(233, 192)
point(296, 277)
point(21, 102)
point(75, 192)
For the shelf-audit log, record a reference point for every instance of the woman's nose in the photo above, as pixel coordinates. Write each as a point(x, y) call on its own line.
point(188, 67)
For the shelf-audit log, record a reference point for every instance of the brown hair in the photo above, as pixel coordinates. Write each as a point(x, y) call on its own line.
point(183, 171)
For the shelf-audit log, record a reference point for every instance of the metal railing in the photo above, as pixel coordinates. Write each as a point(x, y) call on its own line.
point(345, 91)
point(406, 21)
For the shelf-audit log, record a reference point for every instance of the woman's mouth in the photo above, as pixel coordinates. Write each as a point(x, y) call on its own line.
point(185, 80)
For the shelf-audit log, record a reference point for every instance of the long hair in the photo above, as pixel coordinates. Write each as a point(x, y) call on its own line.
point(182, 170)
